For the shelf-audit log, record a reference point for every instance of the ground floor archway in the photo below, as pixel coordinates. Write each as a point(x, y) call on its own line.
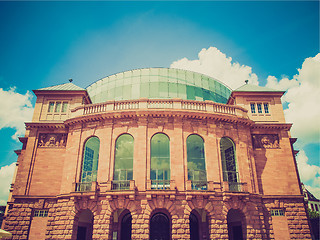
point(85, 225)
point(159, 227)
point(236, 225)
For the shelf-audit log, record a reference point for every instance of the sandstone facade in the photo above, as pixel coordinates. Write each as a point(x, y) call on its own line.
point(50, 200)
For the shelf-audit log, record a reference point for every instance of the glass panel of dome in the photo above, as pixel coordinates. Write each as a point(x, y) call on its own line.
point(145, 72)
point(127, 74)
point(135, 80)
point(154, 90)
point(189, 77)
point(154, 71)
point(135, 91)
point(144, 79)
point(144, 90)
point(111, 94)
point(173, 74)
point(182, 91)
point(205, 82)
point(173, 90)
point(191, 93)
point(118, 93)
point(198, 93)
point(154, 78)
point(119, 82)
point(127, 92)
point(163, 89)
point(197, 80)
point(135, 73)
point(181, 75)
point(163, 71)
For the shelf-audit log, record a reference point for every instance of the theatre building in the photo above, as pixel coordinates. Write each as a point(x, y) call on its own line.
point(157, 153)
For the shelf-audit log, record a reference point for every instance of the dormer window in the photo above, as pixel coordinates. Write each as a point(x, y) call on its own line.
point(253, 108)
point(57, 107)
point(57, 110)
point(259, 107)
point(266, 107)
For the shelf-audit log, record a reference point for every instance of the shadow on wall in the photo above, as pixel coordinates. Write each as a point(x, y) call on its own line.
point(260, 165)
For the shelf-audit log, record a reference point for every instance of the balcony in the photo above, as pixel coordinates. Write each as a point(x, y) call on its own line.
point(171, 104)
point(231, 182)
point(85, 186)
point(198, 179)
point(120, 185)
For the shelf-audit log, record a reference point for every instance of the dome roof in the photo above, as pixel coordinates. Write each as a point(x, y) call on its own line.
point(156, 83)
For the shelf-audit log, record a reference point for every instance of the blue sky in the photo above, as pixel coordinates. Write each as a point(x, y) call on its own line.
point(46, 43)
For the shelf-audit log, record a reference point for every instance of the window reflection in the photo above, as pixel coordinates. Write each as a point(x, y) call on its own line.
point(196, 162)
point(123, 162)
point(89, 164)
point(160, 161)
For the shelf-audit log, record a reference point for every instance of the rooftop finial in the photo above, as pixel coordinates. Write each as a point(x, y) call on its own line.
point(246, 81)
point(70, 80)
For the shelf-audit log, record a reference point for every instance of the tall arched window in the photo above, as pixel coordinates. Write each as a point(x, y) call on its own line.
point(89, 164)
point(123, 162)
point(196, 162)
point(229, 166)
point(160, 161)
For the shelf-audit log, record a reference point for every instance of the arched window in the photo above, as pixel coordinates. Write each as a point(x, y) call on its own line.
point(196, 162)
point(89, 164)
point(229, 166)
point(160, 161)
point(123, 162)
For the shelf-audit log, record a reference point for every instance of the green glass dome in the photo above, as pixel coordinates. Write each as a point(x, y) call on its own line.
point(157, 83)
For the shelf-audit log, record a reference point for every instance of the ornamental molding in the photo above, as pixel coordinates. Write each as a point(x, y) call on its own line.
point(265, 141)
point(52, 140)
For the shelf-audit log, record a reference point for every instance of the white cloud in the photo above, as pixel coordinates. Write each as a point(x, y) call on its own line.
point(302, 96)
point(6, 175)
point(214, 63)
point(15, 108)
point(307, 171)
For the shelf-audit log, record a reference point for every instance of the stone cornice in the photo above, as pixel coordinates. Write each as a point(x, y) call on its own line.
point(52, 125)
point(266, 125)
point(189, 114)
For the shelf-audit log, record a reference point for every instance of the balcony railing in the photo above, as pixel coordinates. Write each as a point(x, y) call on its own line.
point(120, 184)
point(198, 179)
point(204, 106)
point(199, 185)
point(160, 184)
point(83, 186)
point(232, 182)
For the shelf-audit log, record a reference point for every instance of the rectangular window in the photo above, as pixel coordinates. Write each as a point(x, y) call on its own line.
point(64, 107)
point(58, 106)
point(266, 107)
point(40, 213)
point(51, 106)
point(312, 208)
point(317, 209)
point(277, 212)
point(253, 108)
point(259, 107)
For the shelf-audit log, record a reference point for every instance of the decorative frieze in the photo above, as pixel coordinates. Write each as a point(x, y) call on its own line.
point(268, 141)
point(52, 140)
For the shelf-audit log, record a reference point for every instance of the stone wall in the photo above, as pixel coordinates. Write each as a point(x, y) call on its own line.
point(63, 215)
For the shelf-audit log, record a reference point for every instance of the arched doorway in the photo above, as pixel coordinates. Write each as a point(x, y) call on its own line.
point(126, 227)
point(236, 225)
point(159, 227)
point(194, 227)
point(85, 225)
